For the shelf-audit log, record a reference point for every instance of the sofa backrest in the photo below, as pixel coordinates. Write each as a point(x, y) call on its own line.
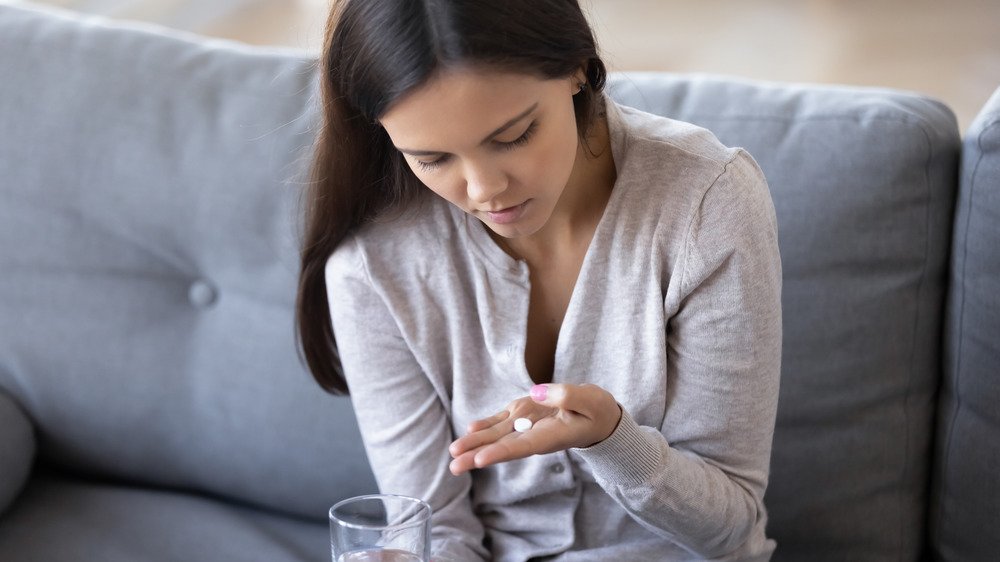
point(965, 521)
point(863, 183)
point(149, 184)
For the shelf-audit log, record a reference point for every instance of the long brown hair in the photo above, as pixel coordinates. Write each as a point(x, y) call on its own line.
point(374, 52)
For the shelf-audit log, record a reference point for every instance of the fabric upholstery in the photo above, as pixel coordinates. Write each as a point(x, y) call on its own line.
point(149, 190)
point(70, 519)
point(965, 521)
point(863, 184)
point(17, 443)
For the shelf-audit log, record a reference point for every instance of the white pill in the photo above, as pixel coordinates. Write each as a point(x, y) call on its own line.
point(522, 424)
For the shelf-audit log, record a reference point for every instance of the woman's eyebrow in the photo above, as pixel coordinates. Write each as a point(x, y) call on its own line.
point(510, 123)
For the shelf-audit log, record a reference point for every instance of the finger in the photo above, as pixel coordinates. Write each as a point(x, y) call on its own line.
point(482, 424)
point(511, 446)
point(472, 459)
point(463, 463)
point(516, 446)
point(500, 452)
point(481, 437)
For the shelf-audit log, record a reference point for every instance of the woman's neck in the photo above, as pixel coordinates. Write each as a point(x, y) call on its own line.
point(580, 207)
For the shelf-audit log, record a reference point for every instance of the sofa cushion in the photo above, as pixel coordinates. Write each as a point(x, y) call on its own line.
point(148, 209)
point(17, 441)
point(67, 519)
point(965, 521)
point(863, 182)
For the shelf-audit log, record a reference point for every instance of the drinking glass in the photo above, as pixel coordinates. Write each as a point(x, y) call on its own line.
point(380, 528)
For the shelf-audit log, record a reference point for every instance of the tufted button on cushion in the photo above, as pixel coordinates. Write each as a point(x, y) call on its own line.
point(202, 294)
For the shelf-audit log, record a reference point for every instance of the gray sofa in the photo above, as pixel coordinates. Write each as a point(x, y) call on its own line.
point(152, 403)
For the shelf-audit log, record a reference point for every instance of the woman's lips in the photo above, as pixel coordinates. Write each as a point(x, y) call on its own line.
point(508, 215)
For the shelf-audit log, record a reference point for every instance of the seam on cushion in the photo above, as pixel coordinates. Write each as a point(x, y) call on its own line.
point(907, 421)
point(959, 342)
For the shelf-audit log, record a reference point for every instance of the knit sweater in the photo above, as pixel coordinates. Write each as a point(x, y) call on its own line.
point(676, 312)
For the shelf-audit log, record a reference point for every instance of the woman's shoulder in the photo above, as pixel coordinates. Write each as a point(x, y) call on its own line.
point(424, 232)
point(680, 164)
point(677, 176)
point(655, 141)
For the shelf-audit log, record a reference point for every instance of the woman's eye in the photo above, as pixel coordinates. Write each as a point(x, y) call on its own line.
point(428, 166)
point(521, 140)
point(510, 145)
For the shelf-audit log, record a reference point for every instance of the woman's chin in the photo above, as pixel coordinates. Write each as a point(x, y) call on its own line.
point(510, 231)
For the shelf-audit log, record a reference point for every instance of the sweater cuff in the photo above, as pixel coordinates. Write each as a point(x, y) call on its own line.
point(627, 457)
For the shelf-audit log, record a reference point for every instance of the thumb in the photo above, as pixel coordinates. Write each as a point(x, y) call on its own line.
point(549, 394)
point(589, 400)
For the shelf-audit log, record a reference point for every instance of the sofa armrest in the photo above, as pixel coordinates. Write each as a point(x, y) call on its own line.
point(965, 498)
point(17, 449)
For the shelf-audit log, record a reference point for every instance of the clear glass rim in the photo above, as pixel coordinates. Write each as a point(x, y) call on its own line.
point(420, 518)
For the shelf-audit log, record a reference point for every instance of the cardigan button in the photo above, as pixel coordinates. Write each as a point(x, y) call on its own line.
point(557, 468)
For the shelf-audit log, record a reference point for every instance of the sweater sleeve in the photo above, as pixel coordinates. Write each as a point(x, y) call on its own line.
point(699, 479)
point(402, 416)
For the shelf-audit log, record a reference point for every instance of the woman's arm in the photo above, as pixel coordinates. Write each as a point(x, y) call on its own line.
point(704, 487)
point(403, 421)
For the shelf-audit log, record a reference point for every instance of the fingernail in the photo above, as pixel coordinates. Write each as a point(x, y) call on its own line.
point(539, 392)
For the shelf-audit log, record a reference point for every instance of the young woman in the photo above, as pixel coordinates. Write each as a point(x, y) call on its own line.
point(488, 238)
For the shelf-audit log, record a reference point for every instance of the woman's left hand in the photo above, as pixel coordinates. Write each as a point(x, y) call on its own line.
point(563, 416)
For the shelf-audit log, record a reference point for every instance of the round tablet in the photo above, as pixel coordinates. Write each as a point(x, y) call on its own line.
point(522, 424)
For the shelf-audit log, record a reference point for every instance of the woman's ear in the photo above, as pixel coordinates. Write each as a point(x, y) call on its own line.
point(579, 79)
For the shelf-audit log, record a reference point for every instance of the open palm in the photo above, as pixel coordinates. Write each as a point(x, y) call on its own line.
point(563, 416)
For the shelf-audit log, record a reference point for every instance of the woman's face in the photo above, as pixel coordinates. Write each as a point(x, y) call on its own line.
point(499, 146)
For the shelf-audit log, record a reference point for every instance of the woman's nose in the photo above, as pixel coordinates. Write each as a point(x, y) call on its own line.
point(483, 184)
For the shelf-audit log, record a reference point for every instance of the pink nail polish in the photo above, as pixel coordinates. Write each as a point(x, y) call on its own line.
point(539, 392)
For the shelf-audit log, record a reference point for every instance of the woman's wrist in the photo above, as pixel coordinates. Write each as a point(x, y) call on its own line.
point(608, 434)
point(628, 456)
